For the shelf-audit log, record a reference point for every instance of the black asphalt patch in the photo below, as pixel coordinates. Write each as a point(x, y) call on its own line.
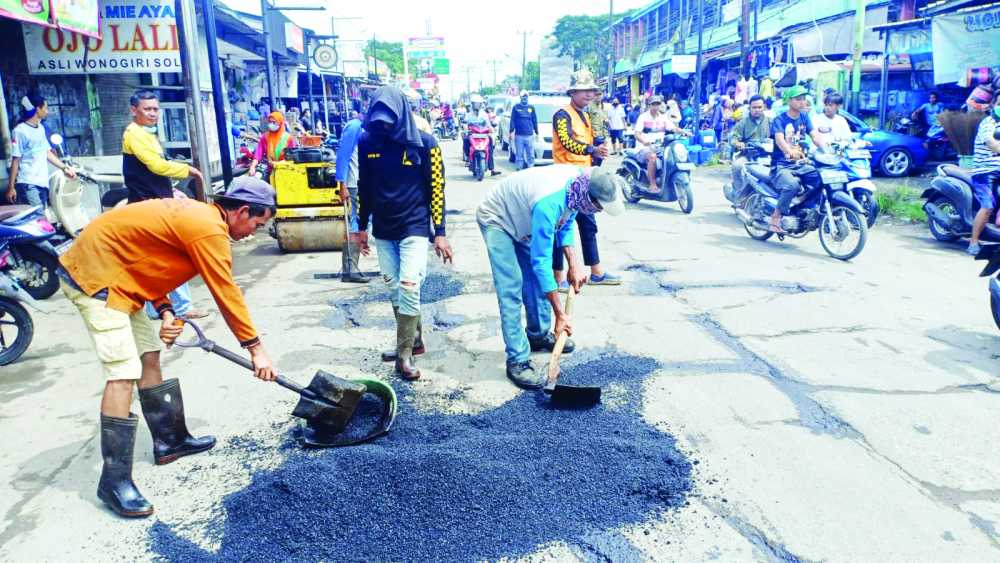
point(352, 313)
point(462, 487)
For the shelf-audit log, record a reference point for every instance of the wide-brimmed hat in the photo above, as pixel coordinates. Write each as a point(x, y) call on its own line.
point(251, 190)
point(606, 187)
point(582, 80)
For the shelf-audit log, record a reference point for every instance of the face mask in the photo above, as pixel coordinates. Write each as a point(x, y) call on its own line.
point(150, 129)
point(272, 127)
point(996, 111)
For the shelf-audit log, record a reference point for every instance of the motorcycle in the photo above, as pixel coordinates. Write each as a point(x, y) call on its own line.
point(33, 260)
point(479, 144)
point(751, 153)
point(856, 162)
point(73, 202)
point(951, 207)
point(991, 252)
point(825, 206)
point(16, 326)
point(673, 174)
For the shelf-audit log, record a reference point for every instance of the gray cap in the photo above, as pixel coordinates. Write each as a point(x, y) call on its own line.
point(606, 187)
point(250, 190)
point(656, 100)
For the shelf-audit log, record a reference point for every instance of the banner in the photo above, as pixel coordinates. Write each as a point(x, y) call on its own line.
point(81, 16)
point(137, 36)
point(31, 11)
point(964, 41)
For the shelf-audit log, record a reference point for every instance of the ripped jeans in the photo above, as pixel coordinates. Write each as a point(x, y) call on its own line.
point(404, 265)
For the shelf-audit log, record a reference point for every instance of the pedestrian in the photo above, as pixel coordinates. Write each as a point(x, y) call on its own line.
point(523, 131)
point(272, 144)
point(986, 174)
point(599, 123)
point(347, 179)
point(929, 111)
point(135, 254)
point(573, 143)
point(30, 155)
point(616, 124)
point(521, 218)
point(401, 189)
point(148, 174)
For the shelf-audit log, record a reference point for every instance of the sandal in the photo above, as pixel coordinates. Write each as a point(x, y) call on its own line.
point(775, 229)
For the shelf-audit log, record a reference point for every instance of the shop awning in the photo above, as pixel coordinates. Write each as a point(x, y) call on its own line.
point(837, 37)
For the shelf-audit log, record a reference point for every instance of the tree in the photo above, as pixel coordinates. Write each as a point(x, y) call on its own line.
point(585, 38)
point(388, 52)
point(530, 80)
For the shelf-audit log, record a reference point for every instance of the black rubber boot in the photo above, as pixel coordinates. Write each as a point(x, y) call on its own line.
point(163, 408)
point(418, 341)
point(116, 488)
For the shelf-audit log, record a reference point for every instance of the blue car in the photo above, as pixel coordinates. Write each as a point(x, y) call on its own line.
point(893, 154)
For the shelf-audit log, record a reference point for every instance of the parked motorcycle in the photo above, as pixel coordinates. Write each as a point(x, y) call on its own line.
point(751, 153)
point(479, 144)
point(951, 208)
point(73, 203)
point(33, 260)
point(16, 326)
point(991, 252)
point(825, 206)
point(673, 174)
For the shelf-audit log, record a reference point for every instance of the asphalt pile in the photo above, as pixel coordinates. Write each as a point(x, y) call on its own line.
point(500, 483)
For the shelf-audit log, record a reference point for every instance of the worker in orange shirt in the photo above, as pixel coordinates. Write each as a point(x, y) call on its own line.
point(139, 253)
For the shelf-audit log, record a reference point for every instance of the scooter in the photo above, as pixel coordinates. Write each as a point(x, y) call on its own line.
point(991, 252)
point(751, 153)
point(73, 203)
point(33, 261)
point(479, 144)
point(825, 206)
point(16, 326)
point(856, 162)
point(951, 207)
point(673, 174)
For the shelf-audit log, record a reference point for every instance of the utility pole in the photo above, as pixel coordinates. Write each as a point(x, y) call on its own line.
point(524, 58)
point(859, 45)
point(697, 65)
point(744, 36)
point(208, 19)
point(187, 31)
point(493, 63)
point(268, 54)
point(611, 48)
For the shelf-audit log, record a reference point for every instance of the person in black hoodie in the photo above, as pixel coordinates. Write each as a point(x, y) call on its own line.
point(401, 190)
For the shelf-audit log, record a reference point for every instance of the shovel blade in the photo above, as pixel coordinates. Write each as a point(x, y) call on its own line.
point(570, 396)
point(332, 403)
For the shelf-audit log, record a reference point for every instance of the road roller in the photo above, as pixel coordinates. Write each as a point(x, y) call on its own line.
point(310, 211)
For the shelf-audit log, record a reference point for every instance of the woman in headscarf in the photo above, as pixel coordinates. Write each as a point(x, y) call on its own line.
point(272, 144)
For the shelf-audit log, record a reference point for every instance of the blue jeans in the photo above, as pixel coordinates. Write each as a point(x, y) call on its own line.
point(516, 285)
point(28, 194)
point(180, 298)
point(404, 265)
point(524, 148)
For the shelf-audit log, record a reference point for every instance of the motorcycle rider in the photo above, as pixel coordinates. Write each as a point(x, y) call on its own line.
point(754, 128)
point(789, 130)
point(650, 128)
point(986, 175)
point(30, 153)
point(478, 115)
point(523, 130)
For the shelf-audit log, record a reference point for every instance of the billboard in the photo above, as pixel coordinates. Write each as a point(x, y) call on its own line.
point(136, 36)
point(554, 69)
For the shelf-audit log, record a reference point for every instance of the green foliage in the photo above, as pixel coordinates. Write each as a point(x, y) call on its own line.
point(489, 90)
point(531, 78)
point(388, 52)
point(902, 203)
point(585, 38)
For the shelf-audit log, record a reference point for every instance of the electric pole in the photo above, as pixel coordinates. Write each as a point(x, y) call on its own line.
point(268, 55)
point(493, 63)
point(697, 65)
point(611, 48)
point(859, 45)
point(744, 36)
point(524, 59)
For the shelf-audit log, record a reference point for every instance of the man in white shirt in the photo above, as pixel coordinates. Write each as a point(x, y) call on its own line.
point(650, 128)
point(30, 156)
point(830, 124)
point(616, 123)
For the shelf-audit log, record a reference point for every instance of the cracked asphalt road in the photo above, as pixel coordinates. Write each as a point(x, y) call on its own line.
point(836, 411)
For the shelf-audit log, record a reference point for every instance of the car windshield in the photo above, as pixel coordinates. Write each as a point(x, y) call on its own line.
point(546, 111)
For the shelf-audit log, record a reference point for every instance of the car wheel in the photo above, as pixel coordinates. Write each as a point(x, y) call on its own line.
point(896, 162)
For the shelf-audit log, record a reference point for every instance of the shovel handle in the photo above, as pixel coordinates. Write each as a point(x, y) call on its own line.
point(560, 341)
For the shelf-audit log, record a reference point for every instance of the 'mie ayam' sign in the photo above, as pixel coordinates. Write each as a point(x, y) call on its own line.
point(136, 36)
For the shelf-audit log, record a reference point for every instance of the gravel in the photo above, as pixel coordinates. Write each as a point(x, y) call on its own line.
point(496, 484)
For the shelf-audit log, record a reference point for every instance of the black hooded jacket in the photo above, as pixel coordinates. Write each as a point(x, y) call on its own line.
point(400, 175)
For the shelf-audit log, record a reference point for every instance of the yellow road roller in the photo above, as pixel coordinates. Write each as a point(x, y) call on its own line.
point(310, 212)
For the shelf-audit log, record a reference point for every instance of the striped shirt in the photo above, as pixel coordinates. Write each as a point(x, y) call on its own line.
point(983, 157)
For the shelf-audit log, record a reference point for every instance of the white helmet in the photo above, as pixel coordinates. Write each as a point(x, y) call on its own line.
point(524, 94)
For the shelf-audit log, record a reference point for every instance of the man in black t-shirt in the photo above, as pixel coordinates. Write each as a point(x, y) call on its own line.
point(789, 130)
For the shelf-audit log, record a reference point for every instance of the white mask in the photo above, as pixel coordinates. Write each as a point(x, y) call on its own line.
point(272, 127)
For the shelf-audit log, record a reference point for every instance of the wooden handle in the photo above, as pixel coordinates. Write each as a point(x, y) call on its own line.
point(560, 341)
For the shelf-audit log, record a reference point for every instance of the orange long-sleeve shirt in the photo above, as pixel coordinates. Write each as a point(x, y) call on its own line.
point(145, 250)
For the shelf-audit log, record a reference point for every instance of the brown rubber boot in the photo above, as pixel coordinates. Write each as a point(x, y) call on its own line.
point(350, 256)
point(406, 330)
point(418, 340)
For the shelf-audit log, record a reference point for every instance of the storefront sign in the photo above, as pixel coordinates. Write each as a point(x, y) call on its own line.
point(81, 16)
point(683, 63)
point(136, 36)
point(294, 39)
point(655, 75)
point(964, 41)
point(31, 11)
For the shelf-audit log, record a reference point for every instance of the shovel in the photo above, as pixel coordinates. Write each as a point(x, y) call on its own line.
point(568, 395)
point(326, 404)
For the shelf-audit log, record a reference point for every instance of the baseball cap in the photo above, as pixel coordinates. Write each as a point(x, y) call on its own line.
point(606, 188)
point(656, 100)
point(250, 190)
point(524, 93)
point(794, 92)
